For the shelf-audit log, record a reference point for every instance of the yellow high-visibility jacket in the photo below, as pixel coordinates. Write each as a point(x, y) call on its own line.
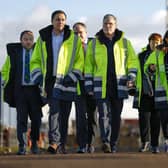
point(69, 66)
point(96, 66)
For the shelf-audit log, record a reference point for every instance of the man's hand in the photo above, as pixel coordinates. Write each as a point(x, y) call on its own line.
point(165, 49)
point(130, 84)
point(131, 88)
point(152, 67)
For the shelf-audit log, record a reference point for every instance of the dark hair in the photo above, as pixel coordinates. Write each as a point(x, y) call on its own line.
point(79, 23)
point(25, 32)
point(155, 36)
point(57, 12)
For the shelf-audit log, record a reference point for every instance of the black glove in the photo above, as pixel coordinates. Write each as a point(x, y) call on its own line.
point(132, 91)
point(131, 87)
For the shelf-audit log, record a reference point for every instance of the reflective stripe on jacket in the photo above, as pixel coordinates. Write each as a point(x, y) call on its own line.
point(161, 84)
point(69, 67)
point(96, 67)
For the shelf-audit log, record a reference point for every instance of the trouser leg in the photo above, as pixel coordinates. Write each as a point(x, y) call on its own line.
point(22, 109)
point(164, 122)
point(54, 121)
point(81, 121)
point(92, 119)
point(116, 109)
point(144, 125)
point(104, 124)
point(65, 109)
point(155, 128)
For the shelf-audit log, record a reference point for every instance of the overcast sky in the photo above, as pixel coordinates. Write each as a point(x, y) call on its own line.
point(137, 18)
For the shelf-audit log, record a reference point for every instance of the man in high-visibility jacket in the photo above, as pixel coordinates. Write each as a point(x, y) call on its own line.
point(21, 92)
point(110, 66)
point(156, 67)
point(58, 60)
point(85, 104)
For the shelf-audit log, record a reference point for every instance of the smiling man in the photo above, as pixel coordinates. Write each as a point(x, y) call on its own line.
point(58, 59)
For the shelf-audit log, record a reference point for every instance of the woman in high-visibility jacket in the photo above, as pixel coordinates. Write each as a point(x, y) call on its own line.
point(110, 63)
point(149, 118)
point(58, 59)
point(157, 67)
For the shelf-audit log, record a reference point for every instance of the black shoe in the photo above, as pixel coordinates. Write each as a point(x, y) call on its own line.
point(21, 151)
point(34, 148)
point(51, 150)
point(61, 149)
point(155, 149)
point(106, 148)
point(145, 147)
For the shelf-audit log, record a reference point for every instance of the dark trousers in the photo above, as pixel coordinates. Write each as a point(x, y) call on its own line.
point(85, 120)
point(54, 121)
point(149, 121)
point(164, 122)
point(149, 124)
point(58, 120)
point(28, 103)
point(116, 106)
point(81, 121)
point(92, 118)
point(64, 118)
point(109, 119)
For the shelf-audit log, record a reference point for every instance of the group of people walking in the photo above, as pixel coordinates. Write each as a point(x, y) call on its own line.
point(66, 66)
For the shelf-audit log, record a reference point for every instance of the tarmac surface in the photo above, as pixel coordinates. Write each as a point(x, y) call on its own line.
point(96, 160)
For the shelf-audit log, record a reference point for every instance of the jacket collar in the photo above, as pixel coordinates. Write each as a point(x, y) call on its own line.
point(46, 32)
point(101, 36)
point(14, 48)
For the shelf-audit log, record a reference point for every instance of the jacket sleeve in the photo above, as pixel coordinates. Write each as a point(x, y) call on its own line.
point(89, 68)
point(5, 71)
point(36, 63)
point(77, 71)
point(151, 60)
point(132, 63)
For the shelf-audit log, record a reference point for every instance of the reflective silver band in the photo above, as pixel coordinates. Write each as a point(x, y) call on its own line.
point(35, 74)
point(79, 73)
point(88, 75)
point(73, 77)
point(160, 99)
point(122, 88)
point(97, 79)
point(97, 89)
point(88, 83)
point(63, 88)
point(132, 70)
point(160, 89)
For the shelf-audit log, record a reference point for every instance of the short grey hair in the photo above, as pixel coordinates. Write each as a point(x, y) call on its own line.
point(79, 23)
point(109, 15)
